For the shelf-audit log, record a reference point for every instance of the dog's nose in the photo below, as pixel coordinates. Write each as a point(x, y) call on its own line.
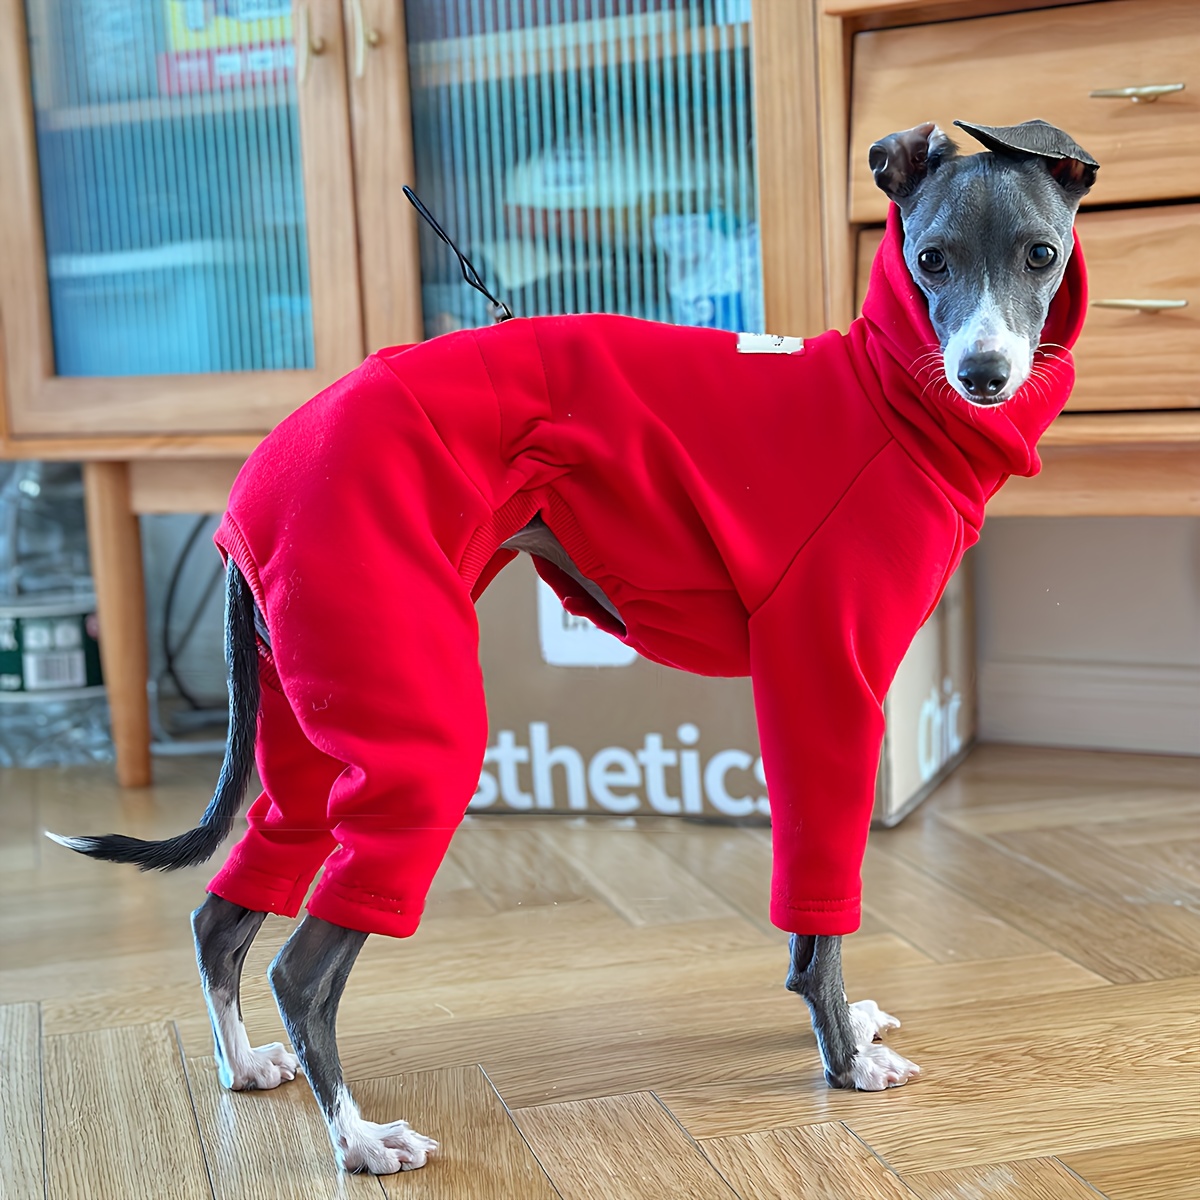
point(984, 374)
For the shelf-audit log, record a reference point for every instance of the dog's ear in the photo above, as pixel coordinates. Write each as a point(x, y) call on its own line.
point(902, 161)
point(1067, 161)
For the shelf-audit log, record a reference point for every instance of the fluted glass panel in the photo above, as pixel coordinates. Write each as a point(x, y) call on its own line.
point(588, 156)
point(172, 199)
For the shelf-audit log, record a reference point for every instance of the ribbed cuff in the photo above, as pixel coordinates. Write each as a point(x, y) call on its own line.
point(361, 911)
point(242, 884)
point(828, 918)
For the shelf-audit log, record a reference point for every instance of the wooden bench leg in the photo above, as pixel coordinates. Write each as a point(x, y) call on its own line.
point(116, 550)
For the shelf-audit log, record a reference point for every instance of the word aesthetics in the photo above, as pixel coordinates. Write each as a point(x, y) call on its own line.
point(654, 777)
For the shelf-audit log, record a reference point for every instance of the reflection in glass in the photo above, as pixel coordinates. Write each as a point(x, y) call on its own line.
point(169, 156)
point(588, 155)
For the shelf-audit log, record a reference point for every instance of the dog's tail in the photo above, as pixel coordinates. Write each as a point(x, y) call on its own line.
point(199, 844)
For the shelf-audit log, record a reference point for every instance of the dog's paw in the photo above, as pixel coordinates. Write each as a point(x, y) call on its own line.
point(261, 1069)
point(382, 1149)
point(870, 1022)
point(876, 1068)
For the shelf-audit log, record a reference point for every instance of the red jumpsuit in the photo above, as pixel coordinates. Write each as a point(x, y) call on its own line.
point(791, 517)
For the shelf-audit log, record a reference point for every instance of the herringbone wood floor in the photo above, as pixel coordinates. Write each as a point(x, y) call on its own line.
point(595, 1009)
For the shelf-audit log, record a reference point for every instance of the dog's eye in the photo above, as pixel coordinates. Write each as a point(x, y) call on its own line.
point(1040, 256)
point(932, 261)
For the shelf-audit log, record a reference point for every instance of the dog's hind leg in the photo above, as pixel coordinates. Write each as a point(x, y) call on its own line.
point(308, 977)
point(845, 1032)
point(223, 933)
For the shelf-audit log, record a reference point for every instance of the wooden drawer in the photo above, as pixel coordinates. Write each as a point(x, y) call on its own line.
point(1129, 359)
point(1006, 69)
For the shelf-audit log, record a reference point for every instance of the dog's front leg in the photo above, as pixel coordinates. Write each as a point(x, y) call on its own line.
point(308, 977)
point(845, 1032)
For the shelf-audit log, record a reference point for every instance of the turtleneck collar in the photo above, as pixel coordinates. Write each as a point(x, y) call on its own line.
point(969, 449)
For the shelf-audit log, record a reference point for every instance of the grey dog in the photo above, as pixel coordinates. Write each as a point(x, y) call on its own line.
point(981, 234)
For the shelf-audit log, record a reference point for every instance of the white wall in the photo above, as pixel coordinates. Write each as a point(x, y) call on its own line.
point(1089, 632)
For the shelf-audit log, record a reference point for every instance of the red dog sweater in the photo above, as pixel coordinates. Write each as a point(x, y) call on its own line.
point(793, 517)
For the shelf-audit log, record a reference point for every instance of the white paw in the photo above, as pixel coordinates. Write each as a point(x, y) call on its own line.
point(876, 1068)
point(870, 1021)
point(260, 1069)
point(382, 1149)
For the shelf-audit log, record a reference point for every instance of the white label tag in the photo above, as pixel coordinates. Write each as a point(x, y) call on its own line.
point(769, 343)
point(49, 671)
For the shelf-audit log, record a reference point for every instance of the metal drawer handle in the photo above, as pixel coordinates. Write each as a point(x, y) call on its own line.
point(1146, 94)
point(1146, 306)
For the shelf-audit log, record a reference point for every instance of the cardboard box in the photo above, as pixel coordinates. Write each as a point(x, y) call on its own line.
point(579, 723)
point(930, 709)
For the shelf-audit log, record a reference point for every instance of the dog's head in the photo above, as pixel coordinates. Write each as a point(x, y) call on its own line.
point(986, 238)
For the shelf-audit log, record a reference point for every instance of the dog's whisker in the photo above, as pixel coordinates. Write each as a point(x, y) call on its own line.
point(934, 358)
point(934, 370)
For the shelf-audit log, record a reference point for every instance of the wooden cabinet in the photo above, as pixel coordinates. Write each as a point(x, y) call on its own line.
point(1141, 345)
point(180, 256)
point(1069, 66)
point(258, 186)
point(181, 259)
point(150, 166)
point(202, 224)
point(1121, 77)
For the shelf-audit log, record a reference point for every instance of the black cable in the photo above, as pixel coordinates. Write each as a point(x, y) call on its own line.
point(169, 651)
point(214, 582)
point(500, 310)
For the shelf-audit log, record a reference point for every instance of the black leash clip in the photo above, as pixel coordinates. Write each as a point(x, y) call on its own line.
point(498, 309)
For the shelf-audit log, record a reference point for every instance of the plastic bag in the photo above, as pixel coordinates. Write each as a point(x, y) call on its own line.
point(44, 565)
point(714, 277)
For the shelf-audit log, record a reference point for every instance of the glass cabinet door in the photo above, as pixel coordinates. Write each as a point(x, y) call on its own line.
point(588, 155)
point(173, 181)
point(172, 200)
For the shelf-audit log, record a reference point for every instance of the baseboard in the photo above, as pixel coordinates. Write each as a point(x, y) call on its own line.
point(1111, 706)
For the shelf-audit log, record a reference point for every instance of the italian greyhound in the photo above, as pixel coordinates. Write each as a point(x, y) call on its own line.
point(986, 240)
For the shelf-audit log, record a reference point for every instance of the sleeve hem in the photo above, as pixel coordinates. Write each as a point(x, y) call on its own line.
point(824, 917)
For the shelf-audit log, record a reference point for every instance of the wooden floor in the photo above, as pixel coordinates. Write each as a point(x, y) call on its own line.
point(595, 1009)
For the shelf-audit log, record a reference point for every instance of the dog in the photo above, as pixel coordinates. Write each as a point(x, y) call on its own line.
point(784, 508)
